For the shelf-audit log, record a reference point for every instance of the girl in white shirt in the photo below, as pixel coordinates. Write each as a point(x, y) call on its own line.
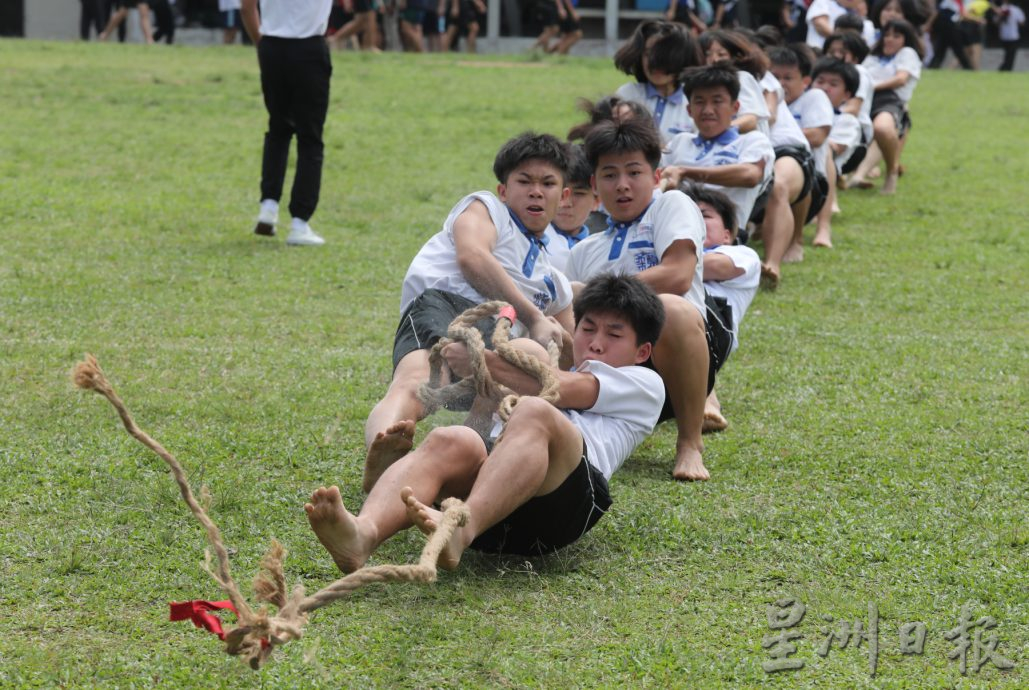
point(895, 65)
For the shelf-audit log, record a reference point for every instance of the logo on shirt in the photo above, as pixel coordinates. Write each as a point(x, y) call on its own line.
point(541, 300)
point(645, 260)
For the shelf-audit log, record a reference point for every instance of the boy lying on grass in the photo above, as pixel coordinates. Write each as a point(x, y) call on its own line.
point(543, 484)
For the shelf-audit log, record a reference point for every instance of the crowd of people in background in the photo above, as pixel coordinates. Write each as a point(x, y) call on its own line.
point(946, 27)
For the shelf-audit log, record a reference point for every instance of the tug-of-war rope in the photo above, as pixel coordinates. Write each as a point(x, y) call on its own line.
point(259, 631)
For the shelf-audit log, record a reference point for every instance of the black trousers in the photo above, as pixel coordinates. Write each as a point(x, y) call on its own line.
point(95, 13)
point(945, 34)
point(1010, 51)
point(295, 80)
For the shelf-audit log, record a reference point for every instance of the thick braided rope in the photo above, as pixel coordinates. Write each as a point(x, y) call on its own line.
point(259, 633)
point(461, 329)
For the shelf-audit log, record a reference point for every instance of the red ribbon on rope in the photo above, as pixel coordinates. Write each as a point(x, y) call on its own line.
point(508, 312)
point(197, 611)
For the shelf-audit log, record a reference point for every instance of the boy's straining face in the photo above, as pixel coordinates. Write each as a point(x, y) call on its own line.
point(608, 338)
point(625, 184)
point(573, 211)
point(835, 88)
point(533, 191)
point(712, 110)
point(717, 233)
point(793, 82)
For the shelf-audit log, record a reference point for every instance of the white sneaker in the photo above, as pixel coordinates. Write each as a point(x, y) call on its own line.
point(301, 235)
point(267, 219)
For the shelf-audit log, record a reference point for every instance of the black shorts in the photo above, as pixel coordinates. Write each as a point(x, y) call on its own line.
point(361, 6)
point(428, 318)
point(819, 195)
point(718, 331)
point(569, 25)
point(807, 164)
point(546, 13)
point(855, 159)
point(430, 23)
point(889, 102)
point(547, 523)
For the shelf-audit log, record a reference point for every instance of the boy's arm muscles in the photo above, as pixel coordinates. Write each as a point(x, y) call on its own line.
point(853, 106)
point(735, 175)
point(719, 267)
point(837, 149)
point(474, 239)
point(674, 274)
point(816, 136)
point(745, 123)
point(772, 101)
point(822, 25)
point(576, 390)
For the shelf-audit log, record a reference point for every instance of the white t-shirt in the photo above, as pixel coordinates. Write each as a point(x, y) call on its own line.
point(752, 101)
point(738, 291)
point(729, 148)
point(228, 5)
point(846, 130)
point(1009, 25)
point(630, 249)
point(813, 109)
point(821, 8)
point(670, 114)
point(295, 18)
point(881, 68)
point(559, 245)
point(866, 91)
point(435, 265)
point(627, 408)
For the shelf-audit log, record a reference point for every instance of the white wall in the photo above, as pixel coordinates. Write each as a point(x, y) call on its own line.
point(52, 18)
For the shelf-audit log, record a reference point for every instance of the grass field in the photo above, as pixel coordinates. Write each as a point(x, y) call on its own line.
point(877, 453)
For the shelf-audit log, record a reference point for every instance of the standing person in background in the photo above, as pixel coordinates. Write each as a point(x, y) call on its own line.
point(946, 35)
point(295, 72)
point(92, 15)
point(1010, 17)
point(122, 12)
point(231, 18)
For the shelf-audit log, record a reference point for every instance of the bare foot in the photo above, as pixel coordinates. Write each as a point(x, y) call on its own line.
point(859, 183)
point(689, 466)
point(428, 519)
point(714, 421)
point(874, 173)
point(889, 184)
point(388, 447)
point(835, 208)
point(823, 238)
point(793, 255)
point(339, 531)
point(770, 277)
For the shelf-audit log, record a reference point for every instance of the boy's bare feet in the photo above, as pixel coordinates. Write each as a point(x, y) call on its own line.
point(823, 238)
point(769, 277)
point(794, 255)
point(388, 447)
point(428, 519)
point(689, 466)
point(889, 184)
point(343, 536)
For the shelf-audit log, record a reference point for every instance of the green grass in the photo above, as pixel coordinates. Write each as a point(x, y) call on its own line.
point(877, 453)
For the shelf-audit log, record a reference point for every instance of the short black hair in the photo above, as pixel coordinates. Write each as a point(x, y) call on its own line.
point(845, 70)
point(849, 22)
point(719, 74)
point(674, 49)
point(530, 146)
point(579, 170)
point(627, 297)
point(911, 39)
point(603, 109)
point(796, 55)
point(634, 134)
point(852, 43)
point(717, 200)
point(767, 36)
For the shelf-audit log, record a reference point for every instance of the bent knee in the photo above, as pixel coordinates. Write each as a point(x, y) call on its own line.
point(455, 441)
